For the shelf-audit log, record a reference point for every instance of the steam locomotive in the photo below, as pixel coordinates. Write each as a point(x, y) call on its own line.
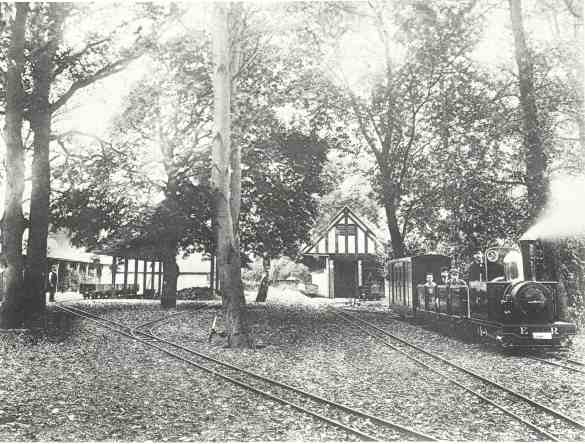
point(504, 300)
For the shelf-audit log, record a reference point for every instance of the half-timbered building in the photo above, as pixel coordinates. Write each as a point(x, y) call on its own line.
point(344, 259)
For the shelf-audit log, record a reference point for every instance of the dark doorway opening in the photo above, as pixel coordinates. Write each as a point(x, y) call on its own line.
point(346, 279)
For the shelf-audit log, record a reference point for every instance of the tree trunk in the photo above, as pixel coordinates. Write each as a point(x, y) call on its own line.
point(396, 239)
point(36, 267)
point(263, 289)
point(391, 203)
point(536, 165)
point(536, 180)
point(170, 277)
point(36, 251)
point(580, 75)
point(11, 309)
point(228, 251)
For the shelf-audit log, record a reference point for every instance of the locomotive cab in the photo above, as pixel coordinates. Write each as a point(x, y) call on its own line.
point(513, 269)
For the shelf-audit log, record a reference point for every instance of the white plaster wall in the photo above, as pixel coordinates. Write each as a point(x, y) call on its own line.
point(320, 278)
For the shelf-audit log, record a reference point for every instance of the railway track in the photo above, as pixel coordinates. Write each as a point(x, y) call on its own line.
point(560, 363)
point(572, 361)
point(534, 415)
point(355, 423)
point(556, 360)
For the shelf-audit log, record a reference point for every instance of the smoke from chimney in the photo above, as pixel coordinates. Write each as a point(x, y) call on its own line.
point(564, 215)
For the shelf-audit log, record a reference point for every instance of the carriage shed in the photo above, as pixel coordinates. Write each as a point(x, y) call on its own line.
point(343, 259)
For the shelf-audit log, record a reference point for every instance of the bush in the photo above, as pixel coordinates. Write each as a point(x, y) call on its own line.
point(576, 311)
point(252, 275)
point(285, 268)
point(195, 294)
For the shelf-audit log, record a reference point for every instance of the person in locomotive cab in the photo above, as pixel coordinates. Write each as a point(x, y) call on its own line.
point(476, 269)
point(444, 276)
point(430, 280)
point(454, 277)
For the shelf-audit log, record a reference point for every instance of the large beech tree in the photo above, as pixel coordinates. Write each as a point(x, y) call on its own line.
point(12, 308)
point(536, 165)
point(535, 156)
point(46, 37)
point(54, 73)
point(395, 120)
point(225, 178)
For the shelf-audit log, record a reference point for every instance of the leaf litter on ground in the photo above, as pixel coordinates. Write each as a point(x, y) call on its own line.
point(84, 383)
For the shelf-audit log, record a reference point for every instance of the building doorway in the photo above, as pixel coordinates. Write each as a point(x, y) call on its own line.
point(346, 279)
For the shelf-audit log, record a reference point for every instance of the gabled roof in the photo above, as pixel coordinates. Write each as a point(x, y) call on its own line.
point(355, 241)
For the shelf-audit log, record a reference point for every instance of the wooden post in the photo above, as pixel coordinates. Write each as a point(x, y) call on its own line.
point(159, 274)
point(136, 274)
point(114, 270)
point(59, 277)
point(331, 278)
point(144, 271)
point(211, 273)
point(152, 275)
point(125, 273)
point(217, 288)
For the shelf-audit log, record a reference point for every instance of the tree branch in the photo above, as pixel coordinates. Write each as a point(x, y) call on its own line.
point(65, 62)
point(574, 9)
point(102, 73)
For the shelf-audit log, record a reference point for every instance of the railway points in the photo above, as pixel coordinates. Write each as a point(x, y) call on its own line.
point(392, 389)
point(537, 419)
point(376, 428)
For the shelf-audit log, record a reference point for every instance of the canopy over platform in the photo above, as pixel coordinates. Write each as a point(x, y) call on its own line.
point(135, 263)
point(140, 253)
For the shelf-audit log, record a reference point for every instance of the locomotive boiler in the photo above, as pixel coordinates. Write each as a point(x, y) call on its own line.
point(507, 301)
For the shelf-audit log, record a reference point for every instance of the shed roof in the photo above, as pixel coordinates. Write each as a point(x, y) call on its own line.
point(59, 246)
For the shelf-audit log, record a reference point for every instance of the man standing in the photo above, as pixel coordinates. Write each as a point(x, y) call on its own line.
point(430, 293)
point(52, 284)
point(476, 269)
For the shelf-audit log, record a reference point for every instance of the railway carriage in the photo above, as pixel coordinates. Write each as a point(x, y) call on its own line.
point(516, 309)
point(406, 273)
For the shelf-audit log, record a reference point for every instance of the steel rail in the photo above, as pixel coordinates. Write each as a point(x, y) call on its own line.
point(572, 361)
point(556, 364)
point(346, 408)
point(528, 400)
point(164, 318)
point(343, 407)
point(237, 382)
point(489, 401)
point(154, 321)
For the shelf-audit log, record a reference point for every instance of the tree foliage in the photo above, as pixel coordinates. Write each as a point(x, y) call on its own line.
point(158, 149)
point(281, 182)
point(55, 69)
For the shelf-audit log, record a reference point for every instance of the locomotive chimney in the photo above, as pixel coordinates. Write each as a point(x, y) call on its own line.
point(532, 259)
